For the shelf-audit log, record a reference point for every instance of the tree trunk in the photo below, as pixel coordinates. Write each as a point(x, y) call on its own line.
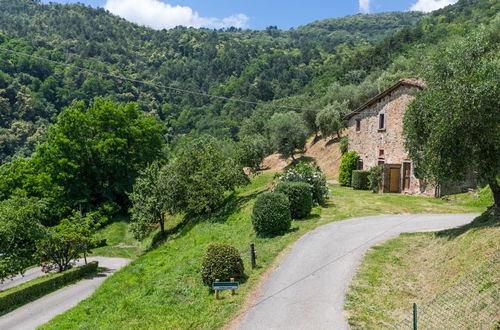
point(162, 226)
point(85, 257)
point(495, 189)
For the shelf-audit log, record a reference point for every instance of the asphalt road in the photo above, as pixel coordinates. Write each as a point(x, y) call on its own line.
point(307, 290)
point(44, 309)
point(35, 272)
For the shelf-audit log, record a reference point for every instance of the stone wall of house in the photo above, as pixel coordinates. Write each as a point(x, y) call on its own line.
point(369, 142)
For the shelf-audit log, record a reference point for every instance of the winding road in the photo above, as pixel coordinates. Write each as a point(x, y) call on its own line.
point(307, 290)
point(40, 311)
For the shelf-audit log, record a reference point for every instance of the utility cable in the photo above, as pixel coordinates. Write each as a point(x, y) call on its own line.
point(158, 85)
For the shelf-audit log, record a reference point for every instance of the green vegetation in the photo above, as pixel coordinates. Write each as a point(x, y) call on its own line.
point(360, 180)
point(344, 144)
point(288, 133)
point(152, 201)
point(271, 214)
point(221, 262)
point(462, 137)
point(19, 230)
point(66, 242)
point(310, 174)
point(300, 197)
point(28, 291)
point(348, 164)
point(375, 178)
point(120, 241)
point(254, 65)
point(330, 120)
point(415, 268)
point(163, 288)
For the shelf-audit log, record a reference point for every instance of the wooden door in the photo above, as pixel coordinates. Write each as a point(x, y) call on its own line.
point(406, 175)
point(394, 180)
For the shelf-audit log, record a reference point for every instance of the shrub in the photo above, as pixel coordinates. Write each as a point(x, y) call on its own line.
point(271, 214)
point(360, 180)
point(375, 178)
point(348, 164)
point(27, 292)
point(305, 172)
point(300, 196)
point(221, 262)
point(344, 144)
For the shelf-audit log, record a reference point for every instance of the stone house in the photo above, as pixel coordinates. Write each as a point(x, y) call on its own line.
point(376, 135)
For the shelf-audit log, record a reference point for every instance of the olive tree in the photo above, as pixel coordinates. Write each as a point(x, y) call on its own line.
point(452, 129)
point(330, 120)
point(288, 133)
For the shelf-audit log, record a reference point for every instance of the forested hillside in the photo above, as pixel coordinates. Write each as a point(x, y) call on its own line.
point(251, 65)
point(330, 66)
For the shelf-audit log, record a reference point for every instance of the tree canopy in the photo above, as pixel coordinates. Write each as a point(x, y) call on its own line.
point(452, 129)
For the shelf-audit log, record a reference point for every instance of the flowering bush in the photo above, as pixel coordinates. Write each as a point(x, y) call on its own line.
point(305, 172)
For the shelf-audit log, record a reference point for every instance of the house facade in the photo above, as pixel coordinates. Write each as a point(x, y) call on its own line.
point(376, 135)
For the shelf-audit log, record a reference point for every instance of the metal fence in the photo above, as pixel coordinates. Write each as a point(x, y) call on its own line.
point(472, 303)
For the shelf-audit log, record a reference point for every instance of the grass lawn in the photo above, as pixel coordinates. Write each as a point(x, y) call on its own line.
point(120, 241)
point(162, 288)
point(415, 268)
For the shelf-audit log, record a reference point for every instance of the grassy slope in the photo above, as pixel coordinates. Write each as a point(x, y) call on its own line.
point(120, 241)
point(414, 268)
point(163, 289)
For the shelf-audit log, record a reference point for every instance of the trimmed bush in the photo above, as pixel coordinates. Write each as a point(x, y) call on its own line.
point(360, 180)
point(311, 174)
point(300, 197)
point(271, 214)
point(27, 292)
point(222, 262)
point(375, 178)
point(348, 164)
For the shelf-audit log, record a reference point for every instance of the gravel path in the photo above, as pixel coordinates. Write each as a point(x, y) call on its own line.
point(44, 309)
point(307, 290)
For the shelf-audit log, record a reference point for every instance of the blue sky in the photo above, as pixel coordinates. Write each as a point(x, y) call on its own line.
point(254, 14)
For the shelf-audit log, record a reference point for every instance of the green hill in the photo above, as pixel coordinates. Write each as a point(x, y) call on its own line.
point(251, 65)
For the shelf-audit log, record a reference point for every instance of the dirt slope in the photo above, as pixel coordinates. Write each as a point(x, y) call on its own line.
point(325, 153)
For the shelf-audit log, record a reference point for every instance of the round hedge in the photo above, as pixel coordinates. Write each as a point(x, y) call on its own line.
point(222, 262)
point(300, 197)
point(271, 214)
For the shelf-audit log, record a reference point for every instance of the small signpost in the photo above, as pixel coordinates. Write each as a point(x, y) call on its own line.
point(220, 286)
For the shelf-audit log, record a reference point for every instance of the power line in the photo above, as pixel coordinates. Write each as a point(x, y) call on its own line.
point(176, 89)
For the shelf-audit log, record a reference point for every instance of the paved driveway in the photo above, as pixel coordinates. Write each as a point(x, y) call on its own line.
point(44, 309)
point(307, 290)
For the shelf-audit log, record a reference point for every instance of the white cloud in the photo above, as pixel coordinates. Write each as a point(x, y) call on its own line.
point(364, 6)
point(160, 15)
point(430, 5)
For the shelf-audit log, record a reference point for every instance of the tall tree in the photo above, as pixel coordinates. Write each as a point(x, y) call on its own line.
point(152, 200)
point(20, 228)
point(94, 154)
point(452, 129)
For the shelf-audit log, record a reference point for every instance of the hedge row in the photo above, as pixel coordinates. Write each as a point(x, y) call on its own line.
point(360, 180)
point(26, 293)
